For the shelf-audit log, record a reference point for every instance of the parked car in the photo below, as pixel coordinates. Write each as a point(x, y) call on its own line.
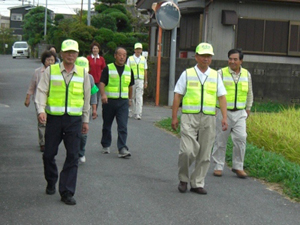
point(20, 48)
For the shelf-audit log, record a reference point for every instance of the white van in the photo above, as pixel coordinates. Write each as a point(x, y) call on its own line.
point(20, 48)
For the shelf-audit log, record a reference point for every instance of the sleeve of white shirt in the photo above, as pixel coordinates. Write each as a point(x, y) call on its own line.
point(128, 62)
point(221, 88)
point(146, 65)
point(180, 86)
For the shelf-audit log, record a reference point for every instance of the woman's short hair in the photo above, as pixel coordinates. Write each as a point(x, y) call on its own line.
point(52, 46)
point(95, 43)
point(46, 54)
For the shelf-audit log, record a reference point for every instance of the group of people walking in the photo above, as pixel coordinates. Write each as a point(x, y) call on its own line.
point(215, 104)
point(66, 96)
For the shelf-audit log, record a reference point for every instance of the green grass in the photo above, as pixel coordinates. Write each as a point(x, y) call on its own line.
point(271, 166)
point(271, 107)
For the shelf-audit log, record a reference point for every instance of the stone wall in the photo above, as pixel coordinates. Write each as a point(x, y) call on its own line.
point(271, 81)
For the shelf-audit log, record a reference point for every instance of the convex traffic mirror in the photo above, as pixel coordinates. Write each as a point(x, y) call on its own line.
point(167, 15)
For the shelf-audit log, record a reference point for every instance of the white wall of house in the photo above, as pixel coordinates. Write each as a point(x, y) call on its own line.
point(4, 21)
point(223, 37)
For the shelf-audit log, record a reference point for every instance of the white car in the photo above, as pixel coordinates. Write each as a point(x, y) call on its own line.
point(20, 48)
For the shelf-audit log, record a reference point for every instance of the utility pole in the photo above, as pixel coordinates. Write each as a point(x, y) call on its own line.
point(89, 13)
point(81, 11)
point(45, 23)
point(172, 64)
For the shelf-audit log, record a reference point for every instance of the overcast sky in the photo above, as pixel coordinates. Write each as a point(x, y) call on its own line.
point(58, 6)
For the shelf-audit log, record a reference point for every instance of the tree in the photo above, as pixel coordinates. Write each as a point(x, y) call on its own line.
point(58, 18)
point(116, 16)
point(104, 21)
point(33, 25)
point(73, 29)
point(6, 40)
point(110, 2)
point(111, 28)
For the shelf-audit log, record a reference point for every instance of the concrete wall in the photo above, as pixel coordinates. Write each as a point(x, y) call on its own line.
point(271, 81)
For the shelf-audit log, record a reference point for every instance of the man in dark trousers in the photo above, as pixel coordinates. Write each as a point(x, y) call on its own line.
point(63, 102)
point(116, 91)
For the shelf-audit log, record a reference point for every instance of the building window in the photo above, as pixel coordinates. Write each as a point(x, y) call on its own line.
point(294, 37)
point(270, 37)
point(190, 31)
point(16, 17)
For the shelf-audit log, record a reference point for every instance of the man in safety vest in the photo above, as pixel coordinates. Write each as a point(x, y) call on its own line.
point(198, 88)
point(138, 64)
point(238, 84)
point(116, 89)
point(63, 100)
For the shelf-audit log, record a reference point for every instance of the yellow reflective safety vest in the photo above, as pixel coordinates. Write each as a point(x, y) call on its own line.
point(236, 92)
point(138, 68)
point(117, 86)
point(200, 98)
point(65, 98)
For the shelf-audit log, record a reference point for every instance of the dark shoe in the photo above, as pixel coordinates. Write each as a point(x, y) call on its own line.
point(68, 199)
point(50, 190)
point(218, 173)
point(42, 148)
point(199, 190)
point(182, 187)
point(240, 173)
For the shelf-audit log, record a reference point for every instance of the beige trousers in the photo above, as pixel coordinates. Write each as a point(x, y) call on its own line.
point(41, 130)
point(197, 138)
point(137, 98)
point(237, 128)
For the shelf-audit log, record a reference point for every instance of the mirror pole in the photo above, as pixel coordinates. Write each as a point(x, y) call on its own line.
point(158, 66)
point(172, 64)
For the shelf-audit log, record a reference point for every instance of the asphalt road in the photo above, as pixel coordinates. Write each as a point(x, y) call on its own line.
point(141, 190)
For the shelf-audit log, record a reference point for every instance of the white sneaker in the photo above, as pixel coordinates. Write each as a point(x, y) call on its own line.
point(130, 114)
point(138, 117)
point(106, 150)
point(123, 153)
point(82, 159)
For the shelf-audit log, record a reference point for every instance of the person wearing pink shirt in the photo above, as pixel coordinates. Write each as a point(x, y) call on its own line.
point(47, 58)
point(96, 64)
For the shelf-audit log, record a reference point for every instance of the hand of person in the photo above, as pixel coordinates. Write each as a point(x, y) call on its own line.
point(248, 113)
point(224, 124)
point(85, 128)
point(104, 99)
point(174, 123)
point(27, 102)
point(94, 114)
point(42, 118)
point(145, 85)
point(130, 102)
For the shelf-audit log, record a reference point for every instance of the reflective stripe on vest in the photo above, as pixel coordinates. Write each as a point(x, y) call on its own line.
point(116, 87)
point(138, 68)
point(236, 92)
point(198, 97)
point(65, 98)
